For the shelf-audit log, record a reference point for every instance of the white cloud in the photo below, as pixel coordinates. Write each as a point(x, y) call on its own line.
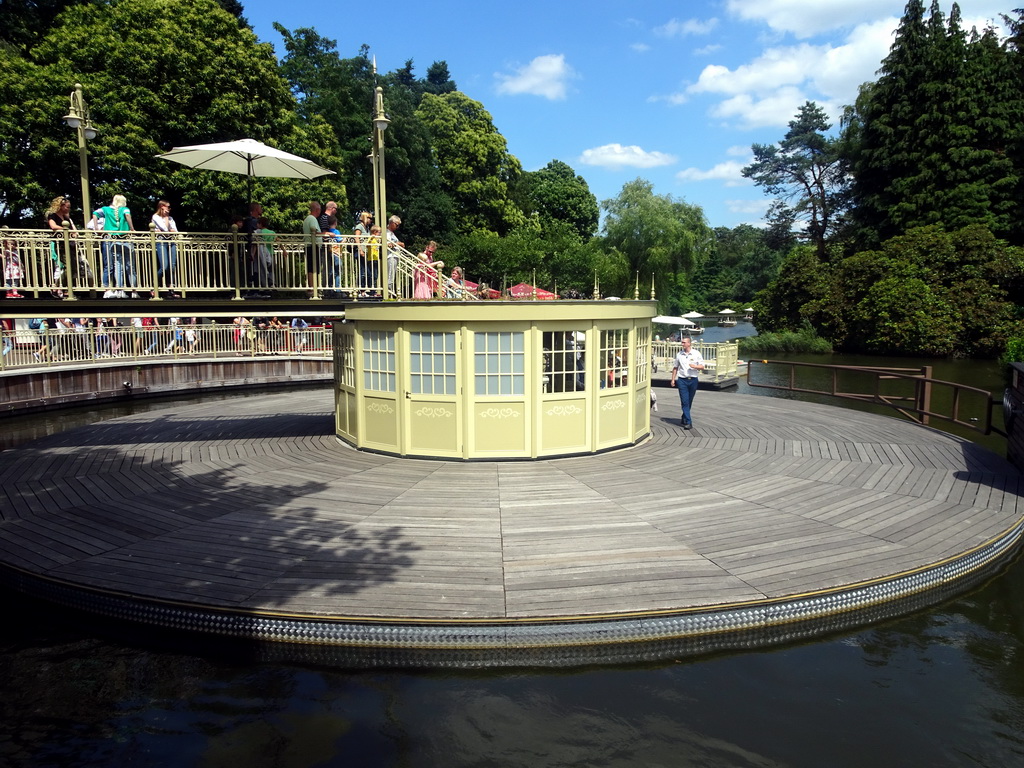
point(768, 90)
point(707, 50)
point(740, 150)
point(677, 28)
point(640, 47)
point(775, 109)
point(546, 76)
point(615, 156)
point(731, 172)
point(755, 207)
point(803, 18)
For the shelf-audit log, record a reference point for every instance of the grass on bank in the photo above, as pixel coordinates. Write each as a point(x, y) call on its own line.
point(805, 341)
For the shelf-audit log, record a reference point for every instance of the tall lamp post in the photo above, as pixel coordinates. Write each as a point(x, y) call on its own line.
point(77, 118)
point(380, 124)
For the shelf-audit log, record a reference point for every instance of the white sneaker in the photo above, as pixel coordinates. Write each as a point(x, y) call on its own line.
point(108, 294)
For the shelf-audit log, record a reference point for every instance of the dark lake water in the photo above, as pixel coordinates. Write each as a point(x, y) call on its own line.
point(940, 687)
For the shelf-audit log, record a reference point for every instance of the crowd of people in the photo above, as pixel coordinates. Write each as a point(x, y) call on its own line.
point(361, 262)
point(74, 339)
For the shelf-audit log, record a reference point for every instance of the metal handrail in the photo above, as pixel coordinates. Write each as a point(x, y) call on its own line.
point(69, 346)
point(74, 262)
point(917, 406)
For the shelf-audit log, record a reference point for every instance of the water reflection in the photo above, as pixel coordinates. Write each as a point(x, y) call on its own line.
point(941, 688)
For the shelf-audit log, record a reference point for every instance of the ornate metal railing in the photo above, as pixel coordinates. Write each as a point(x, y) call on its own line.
point(151, 264)
point(910, 391)
point(71, 344)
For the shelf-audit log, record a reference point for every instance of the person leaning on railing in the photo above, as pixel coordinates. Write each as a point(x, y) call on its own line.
point(425, 278)
point(312, 239)
point(393, 245)
point(118, 253)
point(57, 215)
point(166, 248)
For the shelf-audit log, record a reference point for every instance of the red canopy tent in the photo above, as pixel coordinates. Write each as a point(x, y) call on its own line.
point(525, 291)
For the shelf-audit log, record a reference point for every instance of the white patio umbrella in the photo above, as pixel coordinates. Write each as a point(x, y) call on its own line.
point(671, 320)
point(693, 315)
point(246, 157)
point(727, 311)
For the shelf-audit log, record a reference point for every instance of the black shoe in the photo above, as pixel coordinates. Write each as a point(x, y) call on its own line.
point(687, 425)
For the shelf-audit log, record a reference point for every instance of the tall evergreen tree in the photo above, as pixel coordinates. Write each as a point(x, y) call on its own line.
point(929, 140)
point(880, 133)
point(806, 173)
point(1015, 148)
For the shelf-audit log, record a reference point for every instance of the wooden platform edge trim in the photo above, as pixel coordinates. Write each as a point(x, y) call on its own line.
point(754, 620)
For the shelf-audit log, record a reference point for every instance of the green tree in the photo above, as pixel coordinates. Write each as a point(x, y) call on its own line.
point(157, 74)
point(746, 253)
point(439, 81)
point(654, 235)
point(930, 142)
point(477, 172)
point(556, 194)
point(931, 292)
point(806, 173)
point(340, 92)
point(803, 280)
point(24, 22)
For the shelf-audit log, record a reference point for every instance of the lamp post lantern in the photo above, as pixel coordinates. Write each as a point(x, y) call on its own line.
point(77, 119)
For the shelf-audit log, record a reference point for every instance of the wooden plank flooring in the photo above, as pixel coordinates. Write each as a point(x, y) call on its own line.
point(252, 503)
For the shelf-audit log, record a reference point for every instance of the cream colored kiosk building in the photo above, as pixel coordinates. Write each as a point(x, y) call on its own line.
point(493, 379)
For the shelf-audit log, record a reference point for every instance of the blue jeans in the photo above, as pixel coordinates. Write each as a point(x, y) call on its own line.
point(334, 271)
point(123, 254)
point(166, 262)
point(370, 274)
point(687, 391)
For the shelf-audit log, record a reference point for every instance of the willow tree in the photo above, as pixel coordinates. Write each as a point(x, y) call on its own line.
point(655, 235)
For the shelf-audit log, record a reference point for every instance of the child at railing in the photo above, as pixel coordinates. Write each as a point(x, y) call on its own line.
point(371, 275)
point(13, 273)
point(333, 237)
point(425, 278)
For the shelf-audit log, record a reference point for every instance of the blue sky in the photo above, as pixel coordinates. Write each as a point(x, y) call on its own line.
point(672, 92)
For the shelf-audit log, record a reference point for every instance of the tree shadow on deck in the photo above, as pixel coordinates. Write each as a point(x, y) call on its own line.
point(258, 531)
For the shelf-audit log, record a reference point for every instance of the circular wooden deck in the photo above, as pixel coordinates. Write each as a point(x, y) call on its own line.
point(249, 518)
